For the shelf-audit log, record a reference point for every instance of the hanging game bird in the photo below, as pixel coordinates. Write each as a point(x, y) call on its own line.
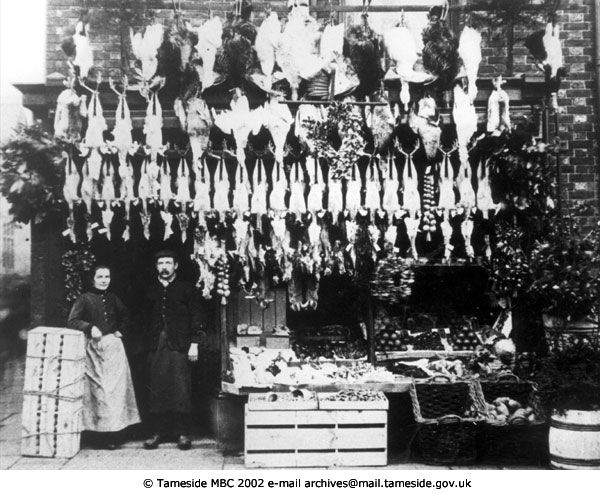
point(440, 50)
point(361, 46)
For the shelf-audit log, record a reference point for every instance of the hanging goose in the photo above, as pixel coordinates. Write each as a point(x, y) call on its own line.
point(153, 124)
point(201, 187)
point(259, 189)
point(221, 197)
point(314, 202)
point(183, 183)
point(353, 188)
point(391, 185)
point(297, 201)
point(280, 187)
point(241, 193)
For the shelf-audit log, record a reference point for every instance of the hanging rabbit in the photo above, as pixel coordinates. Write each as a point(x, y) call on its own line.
point(221, 197)
point(353, 188)
point(335, 199)
point(259, 189)
point(183, 183)
point(314, 202)
point(391, 185)
point(201, 188)
point(241, 192)
point(411, 199)
point(297, 201)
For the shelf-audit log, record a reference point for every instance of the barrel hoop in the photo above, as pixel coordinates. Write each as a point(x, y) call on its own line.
point(574, 427)
point(576, 461)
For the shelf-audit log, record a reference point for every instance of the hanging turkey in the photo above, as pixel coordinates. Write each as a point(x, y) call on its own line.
point(267, 40)
point(123, 124)
point(298, 50)
point(209, 42)
point(469, 49)
point(153, 124)
point(546, 49)
point(145, 49)
point(79, 50)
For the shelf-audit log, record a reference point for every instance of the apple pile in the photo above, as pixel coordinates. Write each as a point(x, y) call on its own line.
point(390, 339)
point(463, 338)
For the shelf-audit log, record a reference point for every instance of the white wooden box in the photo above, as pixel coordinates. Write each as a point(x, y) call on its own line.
point(315, 438)
point(53, 392)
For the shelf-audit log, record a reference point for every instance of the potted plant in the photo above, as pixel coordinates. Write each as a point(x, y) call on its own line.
point(568, 382)
point(564, 267)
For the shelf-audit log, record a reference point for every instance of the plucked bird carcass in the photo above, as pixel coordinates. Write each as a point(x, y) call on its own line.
point(402, 50)
point(362, 47)
point(498, 111)
point(209, 42)
point(464, 183)
point(280, 187)
point(464, 116)
point(469, 50)
point(298, 51)
point(108, 184)
point(153, 124)
point(122, 129)
point(70, 108)
point(546, 48)
point(278, 120)
point(314, 202)
point(94, 135)
point(166, 192)
point(145, 48)
point(424, 119)
point(79, 50)
point(267, 40)
point(332, 43)
point(240, 121)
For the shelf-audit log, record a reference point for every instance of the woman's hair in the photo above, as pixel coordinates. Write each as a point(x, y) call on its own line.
point(94, 270)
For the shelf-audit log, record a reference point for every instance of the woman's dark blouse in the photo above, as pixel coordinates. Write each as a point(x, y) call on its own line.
point(98, 308)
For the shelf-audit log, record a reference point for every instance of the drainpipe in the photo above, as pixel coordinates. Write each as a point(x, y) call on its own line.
point(597, 54)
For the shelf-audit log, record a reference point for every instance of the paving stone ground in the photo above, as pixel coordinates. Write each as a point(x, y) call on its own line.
point(204, 454)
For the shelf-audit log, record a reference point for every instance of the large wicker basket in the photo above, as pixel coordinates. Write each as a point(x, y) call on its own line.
point(519, 441)
point(445, 435)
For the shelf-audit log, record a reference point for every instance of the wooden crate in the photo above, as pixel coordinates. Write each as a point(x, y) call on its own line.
point(247, 340)
point(277, 342)
point(53, 392)
point(315, 438)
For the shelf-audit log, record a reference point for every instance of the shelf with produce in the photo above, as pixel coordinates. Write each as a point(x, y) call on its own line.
point(401, 385)
point(419, 354)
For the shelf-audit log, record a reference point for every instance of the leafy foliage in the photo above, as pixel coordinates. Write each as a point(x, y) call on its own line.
point(76, 263)
point(343, 126)
point(32, 173)
point(570, 378)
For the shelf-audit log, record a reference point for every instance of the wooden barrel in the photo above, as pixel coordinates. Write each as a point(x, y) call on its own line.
point(574, 440)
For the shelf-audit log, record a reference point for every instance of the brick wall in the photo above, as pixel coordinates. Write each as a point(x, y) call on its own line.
point(578, 118)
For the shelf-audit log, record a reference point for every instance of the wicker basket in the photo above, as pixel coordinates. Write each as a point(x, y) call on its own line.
point(445, 436)
point(520, 441)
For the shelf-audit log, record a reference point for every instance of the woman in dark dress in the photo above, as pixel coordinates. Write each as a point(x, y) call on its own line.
point(109, 399)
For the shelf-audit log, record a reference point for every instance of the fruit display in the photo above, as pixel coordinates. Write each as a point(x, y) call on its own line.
point(352, 395)
point(329, 350)
point(392, 340)
point(504, 410)
point(463, 338)
point(427, 341)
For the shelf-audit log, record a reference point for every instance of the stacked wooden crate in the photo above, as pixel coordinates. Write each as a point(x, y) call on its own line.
point(53, 392)
point(329, 434)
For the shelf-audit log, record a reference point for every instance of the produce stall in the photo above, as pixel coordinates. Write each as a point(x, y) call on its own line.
point(340, 199)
